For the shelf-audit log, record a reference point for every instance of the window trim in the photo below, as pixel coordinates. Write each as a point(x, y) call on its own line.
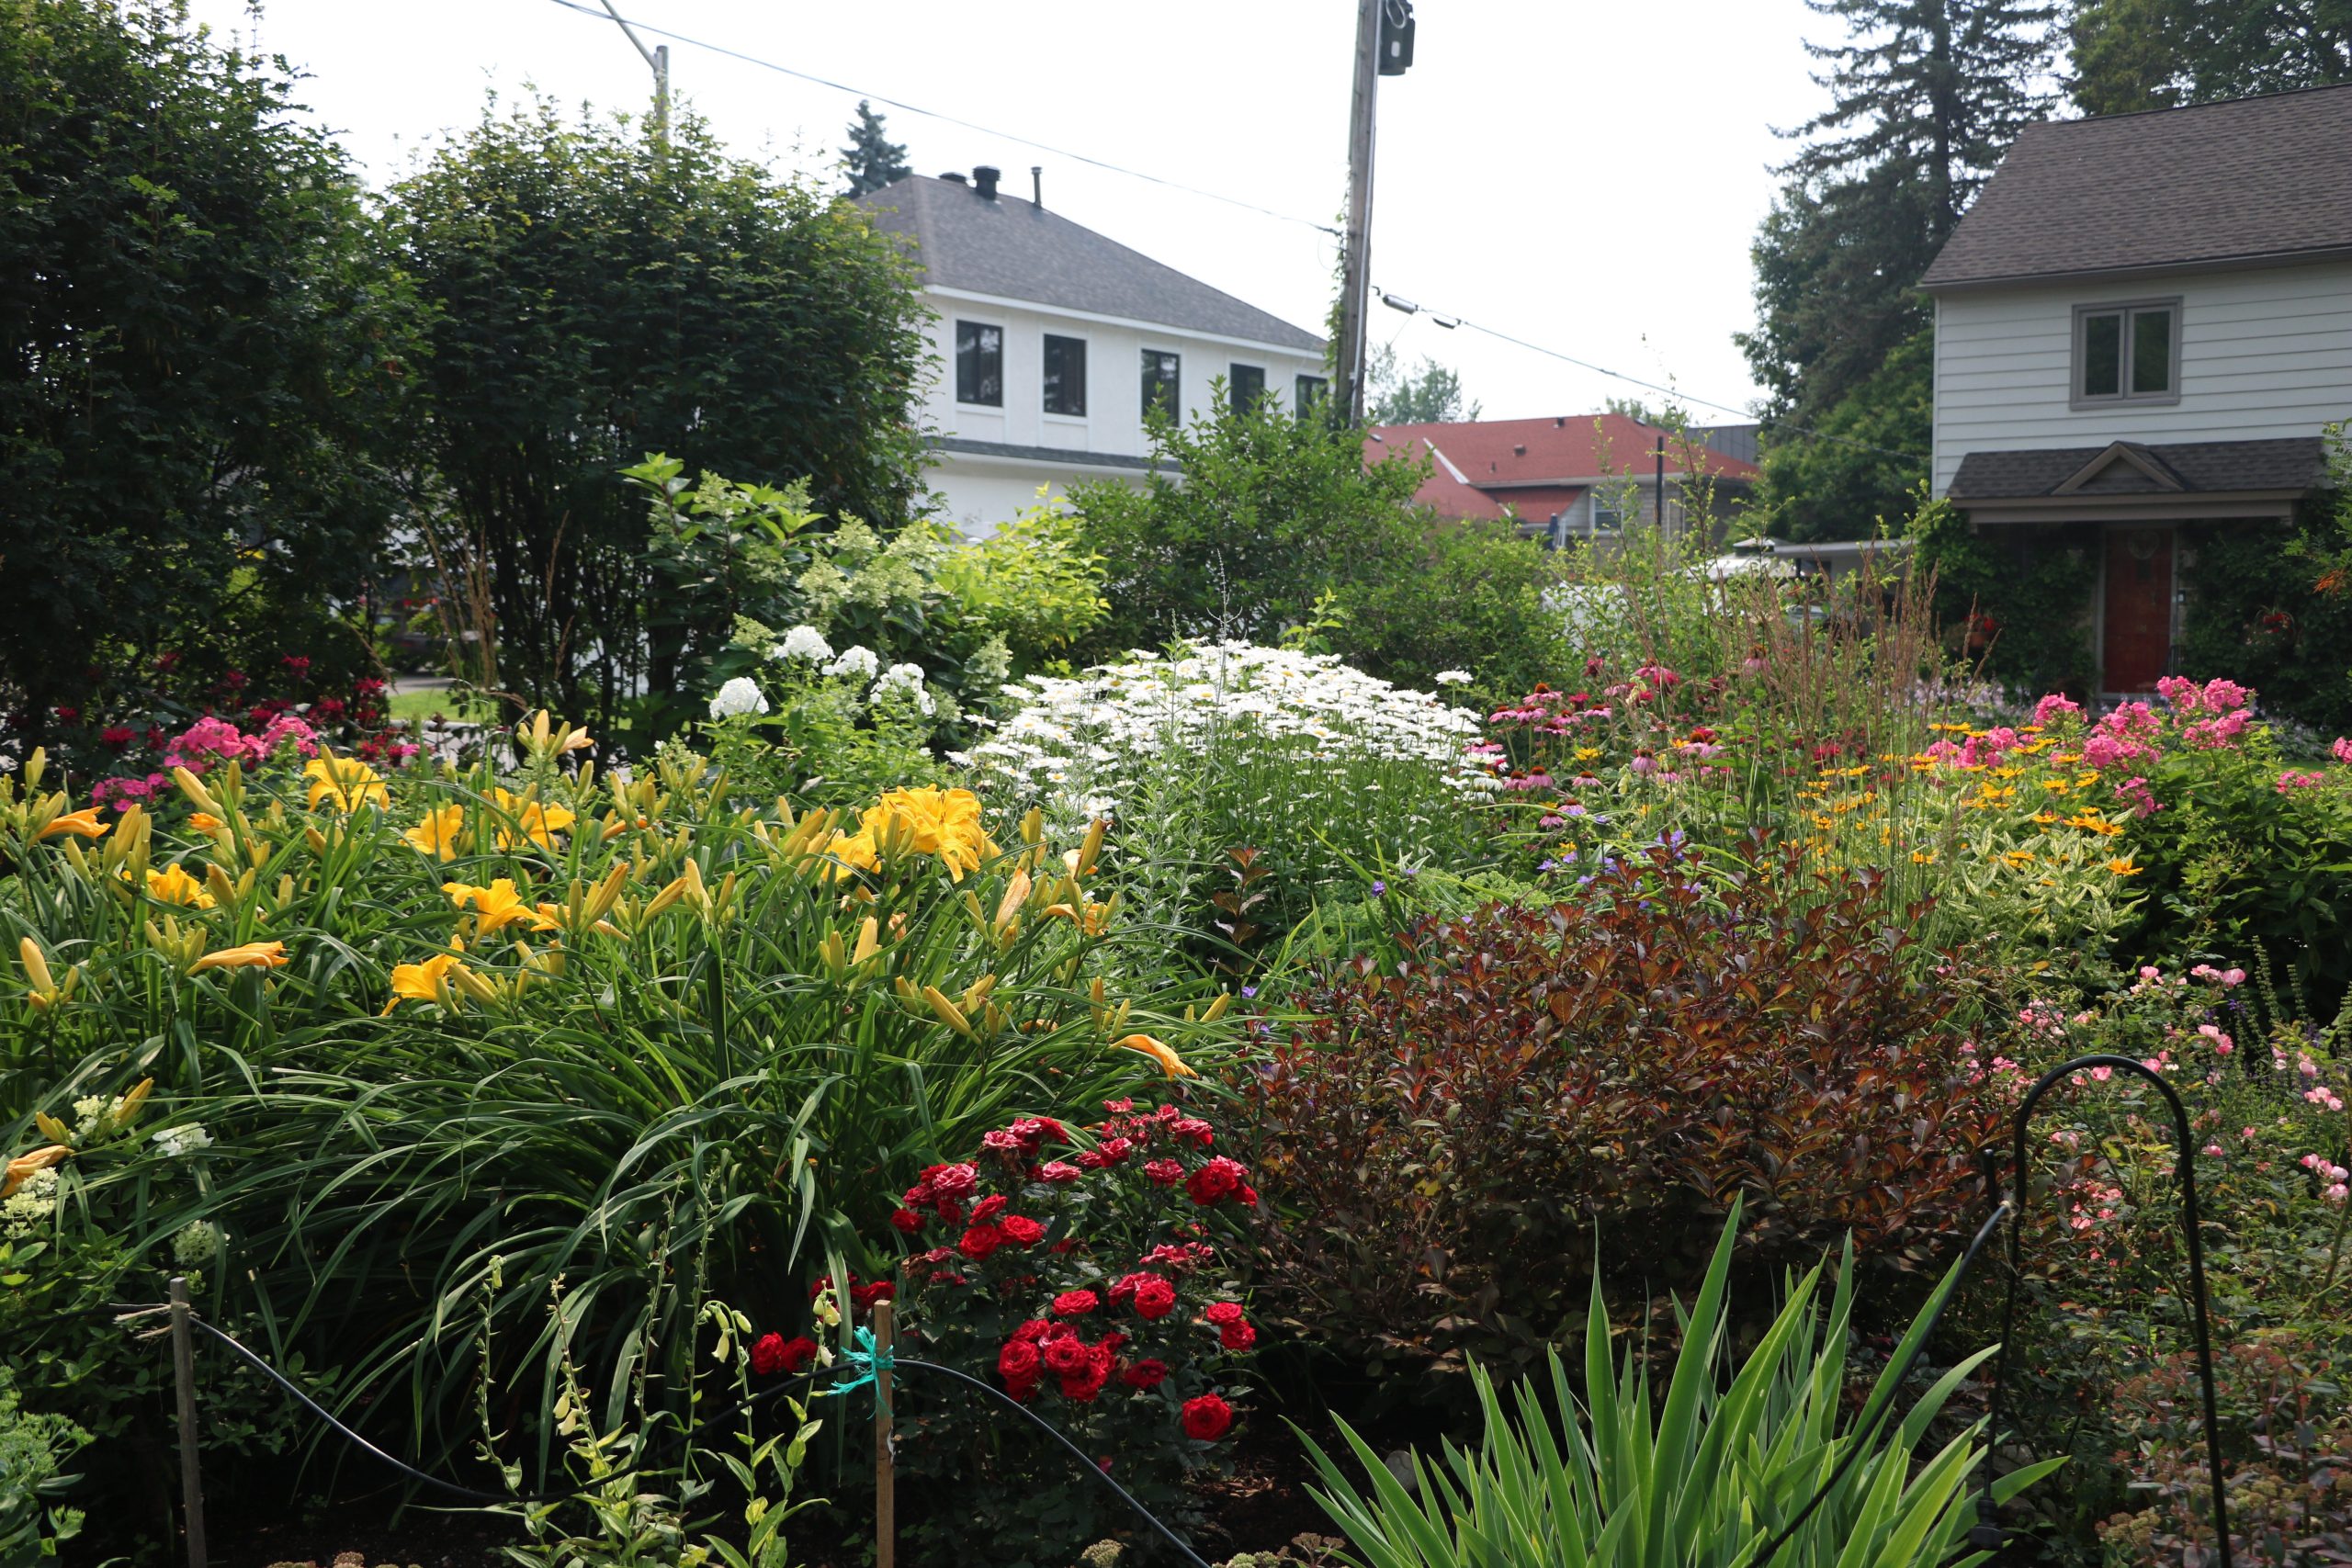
point(1086, 376)
point(1300, 406)
point(2081, 401)
point(958, 361)
point(1176, 388)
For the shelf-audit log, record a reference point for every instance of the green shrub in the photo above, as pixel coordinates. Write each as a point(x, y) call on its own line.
point(33, 1452)
point(1722, 1466)
point(1033, 582)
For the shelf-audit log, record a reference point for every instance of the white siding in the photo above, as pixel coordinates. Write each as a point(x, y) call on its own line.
point(2263, 354)
point(1113, 418)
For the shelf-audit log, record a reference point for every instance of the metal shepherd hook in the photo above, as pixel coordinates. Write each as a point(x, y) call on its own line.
point(1991, 1535)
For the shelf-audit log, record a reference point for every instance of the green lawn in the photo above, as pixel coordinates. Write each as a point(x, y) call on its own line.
point(441, 701)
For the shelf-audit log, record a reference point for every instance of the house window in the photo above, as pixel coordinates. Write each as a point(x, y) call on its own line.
point(1308, 394)
point(2128, 353)
point(1160, 372)
point(1065, 375)
point(980, 364)
point(1247, 384)
point(1606, 517)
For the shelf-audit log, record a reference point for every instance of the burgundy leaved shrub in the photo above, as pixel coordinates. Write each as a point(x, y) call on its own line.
point(1450, 1133)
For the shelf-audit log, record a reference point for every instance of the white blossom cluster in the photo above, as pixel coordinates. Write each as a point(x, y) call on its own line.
point(175, 1141)
point(25, 1209)
point(1076, 742)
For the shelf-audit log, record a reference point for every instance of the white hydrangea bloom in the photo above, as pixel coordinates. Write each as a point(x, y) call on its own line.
point(740, 695)
point(857, 662)
point(174, 1142)
point(197, 1244)
point(29, 1205)
point(805, 642)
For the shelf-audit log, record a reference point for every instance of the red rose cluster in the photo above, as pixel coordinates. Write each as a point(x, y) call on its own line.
point(1124, 1333)
point(861, 1297)
point(772, 1353)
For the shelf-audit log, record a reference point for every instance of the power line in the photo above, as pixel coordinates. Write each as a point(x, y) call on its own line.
point(947, 119)
point(1443, 320)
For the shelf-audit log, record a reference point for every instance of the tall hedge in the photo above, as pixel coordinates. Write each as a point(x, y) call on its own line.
point(594, 292)
point(201, 362)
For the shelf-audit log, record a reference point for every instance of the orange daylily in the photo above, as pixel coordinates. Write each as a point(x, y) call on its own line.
point(82, 824)
point(1170, 1062)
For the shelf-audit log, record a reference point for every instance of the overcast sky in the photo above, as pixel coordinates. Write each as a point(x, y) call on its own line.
point(1584, 176)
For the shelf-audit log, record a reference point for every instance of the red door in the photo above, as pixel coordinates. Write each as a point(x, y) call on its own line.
point(2138, 640)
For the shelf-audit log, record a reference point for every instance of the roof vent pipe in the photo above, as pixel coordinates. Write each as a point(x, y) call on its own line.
point(1038, 185)
point(954, 176)
point(984, 180)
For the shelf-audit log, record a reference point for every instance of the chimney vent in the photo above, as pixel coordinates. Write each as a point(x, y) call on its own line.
point(1559, 421)
point(954, 176)
point(1519, 450)
point(1038, 185)
point(984, 180)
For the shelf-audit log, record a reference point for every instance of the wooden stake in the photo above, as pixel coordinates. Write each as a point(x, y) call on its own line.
point(886, 1500)
point(184, 1374)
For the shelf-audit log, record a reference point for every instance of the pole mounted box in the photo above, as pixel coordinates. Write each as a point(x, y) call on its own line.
point(1396, 37)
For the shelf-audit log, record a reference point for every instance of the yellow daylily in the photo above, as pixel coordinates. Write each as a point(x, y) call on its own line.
point(205, 822)
point(344, 782)
point(496, 906)
point(173, 885)
point(1169, 1063)
point(425, 982)
point(536, 821)
point(438, 835)
point(82, 824)
point(246, 955)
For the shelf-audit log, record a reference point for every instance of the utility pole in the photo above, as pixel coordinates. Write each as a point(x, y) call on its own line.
point(1356, 269)
point(658, 57)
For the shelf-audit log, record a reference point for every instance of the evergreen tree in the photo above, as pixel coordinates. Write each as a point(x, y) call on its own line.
point(873, 159)
point(1926, 97)
point(2149, 54)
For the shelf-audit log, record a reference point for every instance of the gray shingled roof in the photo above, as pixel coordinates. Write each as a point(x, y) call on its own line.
point(2201, 466)
point(1019, 251)
point(2258, 179)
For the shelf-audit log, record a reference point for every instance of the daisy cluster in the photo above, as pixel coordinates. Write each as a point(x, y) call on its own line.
point(1077, 743)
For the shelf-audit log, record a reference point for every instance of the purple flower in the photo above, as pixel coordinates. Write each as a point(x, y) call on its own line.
point(1379, 887)
point(1248, 990)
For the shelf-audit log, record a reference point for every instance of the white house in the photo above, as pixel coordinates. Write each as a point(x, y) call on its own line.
point(2142, 327)
point(1051, 341)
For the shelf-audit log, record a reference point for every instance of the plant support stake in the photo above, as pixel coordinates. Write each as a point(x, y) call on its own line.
point(886, 1497)
point(184, 1374)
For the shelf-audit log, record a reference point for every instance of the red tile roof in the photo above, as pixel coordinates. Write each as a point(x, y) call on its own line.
point(1538, 466)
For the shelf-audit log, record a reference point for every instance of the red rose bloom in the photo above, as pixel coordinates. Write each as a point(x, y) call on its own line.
point(1236, 1335)
point(864, 1296)
point(906, 1220)
point(989, 1208)
point(1216, 1181)
point(1148, 1373)
point(1223, 1313)
point(767, 1354)
point(1207, 1419)
point(1163, 1172)
point(1192, 1130)
point(1018, 1362)
point(1076, 1303)
point(1155, 1299)
point(951, 1180)
point(1020, 1230)
point(1058, 1170)
point(980, 1241)
point(1036, 1328)
point(1068, 1358)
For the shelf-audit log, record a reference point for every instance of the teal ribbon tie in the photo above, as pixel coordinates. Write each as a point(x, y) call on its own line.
point(863, 1359)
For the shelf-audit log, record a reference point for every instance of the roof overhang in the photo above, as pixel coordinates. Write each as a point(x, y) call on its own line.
point(1000, 454)
point(2252, 262)
point(1313, 350)
point(2246, 505)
